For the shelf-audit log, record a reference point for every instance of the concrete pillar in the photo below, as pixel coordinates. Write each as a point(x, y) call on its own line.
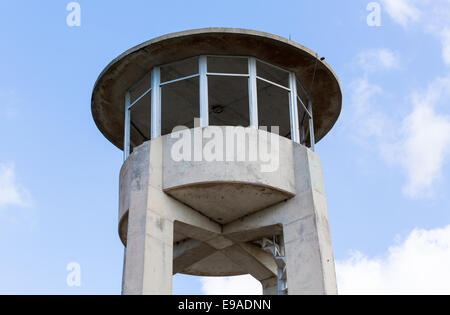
point(148, 267)
point(151, 216)
point(270, 286)
point(310, 267)
point(149, 253)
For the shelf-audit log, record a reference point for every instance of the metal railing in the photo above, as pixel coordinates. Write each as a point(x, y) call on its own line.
point(301, 128)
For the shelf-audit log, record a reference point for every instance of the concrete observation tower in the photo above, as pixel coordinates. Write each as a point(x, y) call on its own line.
point(224, 195)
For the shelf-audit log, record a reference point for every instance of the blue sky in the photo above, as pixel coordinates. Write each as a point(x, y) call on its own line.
point(385, 163)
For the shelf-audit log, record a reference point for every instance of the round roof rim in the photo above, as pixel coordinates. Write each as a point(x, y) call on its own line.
point(212, 30)
point(208, 31)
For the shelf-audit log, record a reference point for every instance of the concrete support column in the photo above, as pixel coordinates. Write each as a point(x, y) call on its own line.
point(148, 267)
point(310, 268)
point(149, 253)
point(308, 250)
point(270, 286)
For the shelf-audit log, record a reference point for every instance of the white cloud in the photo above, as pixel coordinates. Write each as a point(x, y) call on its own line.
point(366, 119)
point(418, 265)
point(433, 16)
point(239, 285)
point(11, 193)
point(404, 12)
point(423, 144)
point(419, 143)
point(374, 60)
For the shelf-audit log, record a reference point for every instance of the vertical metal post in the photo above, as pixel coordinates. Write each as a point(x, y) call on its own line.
point(156, 103)
point(311, 126)
point(253, 93)
point(295, 132)
point(126, 140)
point(204, 106)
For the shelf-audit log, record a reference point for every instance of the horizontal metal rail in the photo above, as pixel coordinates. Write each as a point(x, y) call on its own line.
point(228, 74)
point(273, 83)
point(180, 79)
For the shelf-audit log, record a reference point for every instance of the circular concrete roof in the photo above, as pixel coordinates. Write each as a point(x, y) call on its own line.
point(109, 90)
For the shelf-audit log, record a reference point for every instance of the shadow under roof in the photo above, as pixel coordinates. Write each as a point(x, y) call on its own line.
point(124, 71)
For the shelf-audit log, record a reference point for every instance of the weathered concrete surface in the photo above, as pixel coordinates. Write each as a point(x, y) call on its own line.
point(270, 286)
point(255, 261)
point(164, 236)
point(188, 252)
point(109, 90)
point(310, 267)
point(227, 190)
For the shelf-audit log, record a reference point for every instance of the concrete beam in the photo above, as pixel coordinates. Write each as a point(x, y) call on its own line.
point(254, 260)
point(195, 232)
point(256, 234)
point(270, 286)
point(189, 252)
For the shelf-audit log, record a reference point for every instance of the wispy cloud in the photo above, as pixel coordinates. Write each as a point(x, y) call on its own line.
point(12, 193)
point(404, 12)
point(423, 145)
point(376, 60)
point(367, 119)
point(433, 16)
point(419, 142)
point(240, 285)
point(418, 265)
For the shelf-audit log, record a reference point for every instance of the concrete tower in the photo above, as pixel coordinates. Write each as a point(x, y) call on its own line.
point(213, 198)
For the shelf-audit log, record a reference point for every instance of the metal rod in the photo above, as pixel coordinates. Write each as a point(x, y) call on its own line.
point(273, 83)
point(311, 128)
point(126, 141)
point(304, 107)
point(156, 103)
point(253, 93)
point(295, 129)
point(302, 129)
point(204, 106)
point(228, 74)
point(139, 98)
point(180, 79)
